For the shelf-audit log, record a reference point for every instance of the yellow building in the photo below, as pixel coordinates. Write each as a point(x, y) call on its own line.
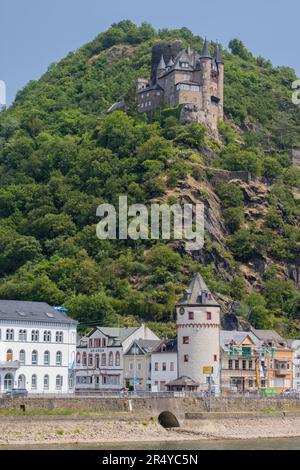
point(279, 364)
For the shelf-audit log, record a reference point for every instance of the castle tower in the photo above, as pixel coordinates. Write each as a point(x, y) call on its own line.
point(205, 63)
point(198, 334)
point(220, 64)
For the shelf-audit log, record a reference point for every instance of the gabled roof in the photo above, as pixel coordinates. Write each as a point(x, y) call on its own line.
point(145, 346)
point(183, 382)
point(117, 334)
point(237, 338)
point(198, 293)
point(166, 346)
point(32, 311)
point(268, 335)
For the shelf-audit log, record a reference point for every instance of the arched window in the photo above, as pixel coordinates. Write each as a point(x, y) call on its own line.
point(22, 357)
point(46, 358)
point(78, 358)
point(58, 358)
point(103, 359)
point(35, 336)
point(90, 363)
point(59, 382)
point(9, 355)
point(34, 358)
point(21, 381)
point(47, 336)
point(111, 359)
point(33, 382)
point(118, 358)
point(8, 382)
point(9, 335)
point(22, 335)
point(46, 382)
point(84, 358)
point(59, 336)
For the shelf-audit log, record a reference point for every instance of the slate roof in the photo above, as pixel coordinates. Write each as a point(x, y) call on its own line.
point(217, 56)
point(183, 382)
point(170, 346)
point(118, 334)
point(145, 345)
point(198, 293)
point(205, 51)
point(237, 337)
point(268, 335)
point(32, 311)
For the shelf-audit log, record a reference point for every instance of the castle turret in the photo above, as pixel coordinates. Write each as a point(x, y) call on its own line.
point(198, 334)
point(220, 64)
point(161, 68)
point(205, 61)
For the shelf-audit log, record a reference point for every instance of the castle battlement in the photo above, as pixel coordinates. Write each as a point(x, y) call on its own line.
point(187, 79)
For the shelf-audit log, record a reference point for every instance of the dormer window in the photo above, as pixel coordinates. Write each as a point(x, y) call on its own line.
point(184, 65)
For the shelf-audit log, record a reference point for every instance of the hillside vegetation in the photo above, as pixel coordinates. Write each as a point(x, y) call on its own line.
point(61, 156)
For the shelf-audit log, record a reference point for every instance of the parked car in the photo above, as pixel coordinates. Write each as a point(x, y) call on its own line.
point(16, 392)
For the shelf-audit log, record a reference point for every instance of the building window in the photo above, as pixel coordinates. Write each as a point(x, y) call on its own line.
point(46, 382)
point(191, 316)
point(230, 364)
point(118, 359)
point(22, 335)
point(9, 335)
point(8, 382)
point(164, 366)
point(104, 343)
point(186, 358)
point(22, 357)
point(59, 382)
point(90, 360)
point(250, 365)
point(34, 358)
point(244, 364)
point(47, 336)
point(103, 359)
point(9, 355)
point(33, 382)
point(35, 336)
point(172, 366)
point(251, 383)
point(46, 358)
point(84, 359)
point(59, 336)
point(97, 361)
point(215, 358)
point(156, 366)
point(186, 340)
point(139, 366)
point(59, 358)
point(236, 365)
point(78, 358)
point(110, 359)
point(208, 315)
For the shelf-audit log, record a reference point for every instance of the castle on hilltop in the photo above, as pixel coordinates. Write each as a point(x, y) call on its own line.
point(182, 77)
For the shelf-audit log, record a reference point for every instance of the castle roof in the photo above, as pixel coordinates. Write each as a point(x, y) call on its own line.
point(198, 294)
point(171, 62)
point(217, 56)
point(205, 51)
point(162, 64)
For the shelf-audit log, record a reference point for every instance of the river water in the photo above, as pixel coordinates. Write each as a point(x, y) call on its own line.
point(251, 444)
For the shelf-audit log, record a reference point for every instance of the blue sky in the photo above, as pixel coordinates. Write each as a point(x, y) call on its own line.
point(35, 33)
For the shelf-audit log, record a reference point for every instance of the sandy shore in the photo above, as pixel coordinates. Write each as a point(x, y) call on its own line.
point(65, 431)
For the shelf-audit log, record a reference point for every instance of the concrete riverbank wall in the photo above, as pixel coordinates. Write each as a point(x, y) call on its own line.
point(150, 406)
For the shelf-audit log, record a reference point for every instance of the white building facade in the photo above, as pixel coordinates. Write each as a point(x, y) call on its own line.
point(164, 365)
point(198, 335)
point(37, 348)
point(100, 357)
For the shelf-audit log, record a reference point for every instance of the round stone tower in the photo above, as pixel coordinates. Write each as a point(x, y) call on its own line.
point(198, 335)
